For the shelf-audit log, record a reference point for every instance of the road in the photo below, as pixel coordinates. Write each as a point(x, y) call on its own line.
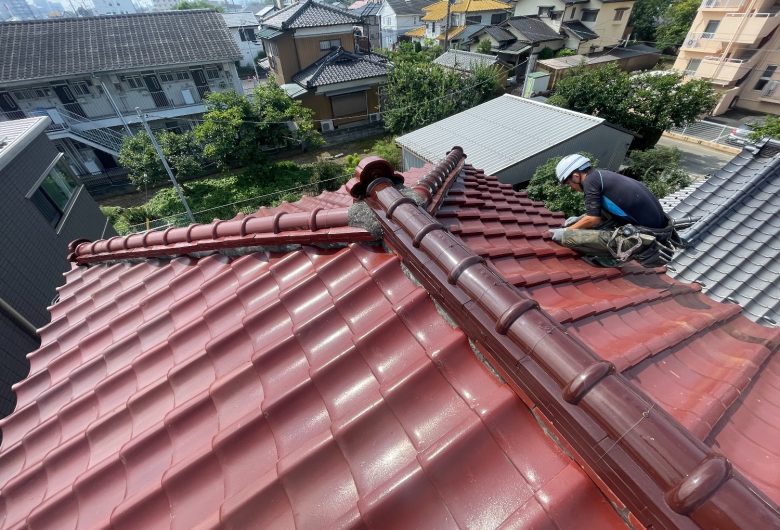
point(696, 159)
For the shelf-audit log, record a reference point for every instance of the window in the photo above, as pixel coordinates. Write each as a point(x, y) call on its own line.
point(693, 65)
point(710, 29)
point(182, 75)
point(497, 18)
point(556, 15)
point(353, 104)
point(167, 77)
point(32, 93)
point(247, 34)
point(135, 82)
point(212, 73)
point(573, 11)
point(80, 89)
point(327, 45)
point(544, 11)
point(54, 192)
point(765, 77)
point(619, 13)
point(589, 15)
point(473, 19)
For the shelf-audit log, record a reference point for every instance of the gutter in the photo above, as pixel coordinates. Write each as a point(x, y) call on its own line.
point(18, 319)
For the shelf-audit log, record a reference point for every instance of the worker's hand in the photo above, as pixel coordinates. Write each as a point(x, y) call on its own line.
point(571, 220)
point(557, 234)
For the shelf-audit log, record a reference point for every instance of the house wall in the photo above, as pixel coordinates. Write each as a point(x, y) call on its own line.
point(323, 110)
point(610, 31)
point(308, 48)
point(34, 254)
point(248, 49)
point(282, 49)
point(391, 26)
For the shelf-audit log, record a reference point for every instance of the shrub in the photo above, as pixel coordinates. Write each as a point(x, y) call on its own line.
point(658, 168)
point(387, 149)
point(544, 187)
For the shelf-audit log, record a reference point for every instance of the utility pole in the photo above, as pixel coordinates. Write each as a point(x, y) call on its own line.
point(165, 165)
point(447, 27)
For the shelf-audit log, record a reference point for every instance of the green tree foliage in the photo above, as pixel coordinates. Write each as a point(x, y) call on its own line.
point(658, 169)
point(546, 53)
point(646, 103)
point(183, 152)
point(544, 187)
point(387, 148)
point(645, 18)
point(565, 52)
point(484, 46)
point(767, 128)
point(675, 23)
point(197, 4)
point(418, 93)
point(236, 130)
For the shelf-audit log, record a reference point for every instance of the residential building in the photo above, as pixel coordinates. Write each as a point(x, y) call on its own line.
point(370, 27)
point(734, 44)
point(312, 54)
point(731, 252)
point(164, 5)
point(113, 7)
point(512, 136)
point(588, 27)
point(43, 207)
point(161, 63)
point(244, 26)
point(16, 10)
point(629, 58)
point(463, 13)
point(397, 17)
point(346, 361)
point(466, 63)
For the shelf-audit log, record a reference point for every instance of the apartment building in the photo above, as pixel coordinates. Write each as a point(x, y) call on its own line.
point(735, 45)
point(88, 75)
point(463, 13)
point(113, 7)
point(587, 26)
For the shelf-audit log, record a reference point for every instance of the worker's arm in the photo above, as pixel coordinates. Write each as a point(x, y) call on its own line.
point(587, 221)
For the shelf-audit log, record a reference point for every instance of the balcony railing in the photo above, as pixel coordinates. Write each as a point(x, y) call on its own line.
point(721, 70)
point(722, 4)
point(769, 90)
point(700, 40)
point(746, 28)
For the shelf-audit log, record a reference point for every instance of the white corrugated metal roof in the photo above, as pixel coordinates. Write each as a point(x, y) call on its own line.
point(15, 135)
point(499, 133)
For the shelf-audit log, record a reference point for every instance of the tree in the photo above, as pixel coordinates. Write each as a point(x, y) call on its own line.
point(676, 22)
point(646, 103)
point(565, 52)
point(544, 187)
point(645, 18)
point(138, 156)
point(484, 46)
point(197, 4)
point(236, 131)
point(767, 128)
point(658, 169)
point(419, 93)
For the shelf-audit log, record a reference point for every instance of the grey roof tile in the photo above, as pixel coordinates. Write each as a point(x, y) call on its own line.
point(40, 49)
point(579, 30)
point(341, 66)
point(533, 29)
point(465, 61)
point(309, 14)
point(735, 248)
point(408, 7)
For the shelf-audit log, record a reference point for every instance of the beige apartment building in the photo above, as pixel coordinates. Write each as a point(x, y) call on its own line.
point(736, 46)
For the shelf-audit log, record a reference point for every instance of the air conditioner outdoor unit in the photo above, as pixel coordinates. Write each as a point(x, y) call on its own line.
point(327, 125)
point(375, 117)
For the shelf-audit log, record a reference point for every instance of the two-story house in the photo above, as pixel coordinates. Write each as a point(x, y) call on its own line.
point(369, 28)
point(397, 17)
point(587, 25)
point(89, 75)
point(463, 13)
point(43, 208)
point(243, 27)
point(312, 54)
point(735, 45)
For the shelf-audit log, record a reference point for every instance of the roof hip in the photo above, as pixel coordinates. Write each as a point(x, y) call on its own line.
point(645, 456)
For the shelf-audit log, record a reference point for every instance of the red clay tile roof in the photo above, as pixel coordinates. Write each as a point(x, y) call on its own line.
point(321, 387)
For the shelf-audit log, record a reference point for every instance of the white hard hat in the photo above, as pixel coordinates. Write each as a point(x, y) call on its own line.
point(569, 164)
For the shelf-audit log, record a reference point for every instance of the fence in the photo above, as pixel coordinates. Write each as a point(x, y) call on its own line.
point(705, 130)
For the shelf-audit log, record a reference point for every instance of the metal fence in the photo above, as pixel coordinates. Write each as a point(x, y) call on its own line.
point(705, 130)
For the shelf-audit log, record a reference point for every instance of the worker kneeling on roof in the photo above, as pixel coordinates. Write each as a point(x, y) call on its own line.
point(623, 220)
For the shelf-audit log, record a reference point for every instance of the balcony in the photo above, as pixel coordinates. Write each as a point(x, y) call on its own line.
point(746, 28)
point(770, 92)
point(723, 71)
point(702, 42)
point(721, 5)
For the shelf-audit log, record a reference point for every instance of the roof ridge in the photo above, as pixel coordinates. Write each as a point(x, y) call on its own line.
point(60, 20)
point(570, 112)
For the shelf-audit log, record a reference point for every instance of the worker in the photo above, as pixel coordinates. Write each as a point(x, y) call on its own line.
point(623, 220)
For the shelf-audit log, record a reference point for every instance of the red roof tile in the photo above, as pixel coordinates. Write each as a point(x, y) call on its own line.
point(319, 386)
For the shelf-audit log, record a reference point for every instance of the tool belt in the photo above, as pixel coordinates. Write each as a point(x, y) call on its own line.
point(651, 247)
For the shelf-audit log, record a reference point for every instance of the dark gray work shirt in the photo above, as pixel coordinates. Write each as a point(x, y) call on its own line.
point(623, 197)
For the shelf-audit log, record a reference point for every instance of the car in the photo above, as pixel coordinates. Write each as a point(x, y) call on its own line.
point(740, 136)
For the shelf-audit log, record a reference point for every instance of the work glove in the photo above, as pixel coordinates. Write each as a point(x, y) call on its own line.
point(557, 234)
point(571, 220)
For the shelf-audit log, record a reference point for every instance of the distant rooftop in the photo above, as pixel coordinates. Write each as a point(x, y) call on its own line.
point(309, 14)
point(15, 135)
point(465, 61)
point(41, 49)
point(239, 20)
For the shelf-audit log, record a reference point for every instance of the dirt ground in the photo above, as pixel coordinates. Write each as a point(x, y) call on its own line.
point(336, 153)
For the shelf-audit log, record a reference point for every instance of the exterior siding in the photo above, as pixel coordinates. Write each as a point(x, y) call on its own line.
point(287, 64)
point(308, 48)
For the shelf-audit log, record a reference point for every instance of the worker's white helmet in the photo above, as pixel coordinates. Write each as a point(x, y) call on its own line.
point(569, 164)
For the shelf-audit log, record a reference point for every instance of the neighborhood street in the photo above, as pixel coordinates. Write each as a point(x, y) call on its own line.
point(697, 160)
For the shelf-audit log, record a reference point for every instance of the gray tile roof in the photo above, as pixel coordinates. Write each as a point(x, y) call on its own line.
point(408, 7)
point(238, 20)
point(40, 49)
point(465, 61)
point(496, 134)
point(533, 29)
point(370, 9)
point(735, 248)
point(672, 200)
point(341, 66)
point(579, 30)
point(468, 32)
point(309, 14)
point(15, 135)
point(500, 34)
